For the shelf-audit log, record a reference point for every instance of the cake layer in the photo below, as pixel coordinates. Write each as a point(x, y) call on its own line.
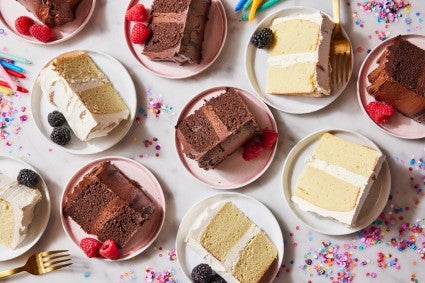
point(177, 30)
point(298, 62)
point(217, 129)
point(399, 79)
point(83, 93)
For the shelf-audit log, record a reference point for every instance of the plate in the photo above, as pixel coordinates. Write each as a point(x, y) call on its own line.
point(137, 172)
point(120, 78)
point(294, 166)
point(256, 69)
point(234, 172)
point(11, 167)
point(252, 208)
point(215, 37)
point(399, 125)
point(11, 10)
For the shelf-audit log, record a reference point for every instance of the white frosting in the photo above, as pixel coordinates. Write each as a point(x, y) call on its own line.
point(364, 183)
point(84, 124)
point(315, 18)
point(224, 269)
point(23, 201)
point(291, 59)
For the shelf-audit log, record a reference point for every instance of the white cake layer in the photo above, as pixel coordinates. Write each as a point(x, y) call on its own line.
point(63, 94)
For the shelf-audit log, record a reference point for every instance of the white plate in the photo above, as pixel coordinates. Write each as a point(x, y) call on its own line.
point(120, 78)
point(150, 230)
point(294, 166)
point(11, 167)
point(256, 69)
point(252, 208)
point(398, 125)
point(234, 172)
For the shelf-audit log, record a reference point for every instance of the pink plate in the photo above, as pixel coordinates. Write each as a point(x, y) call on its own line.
point(137, 172)
point(398, 125)
point(234, 172)
point(11, 10)
point(215, 31)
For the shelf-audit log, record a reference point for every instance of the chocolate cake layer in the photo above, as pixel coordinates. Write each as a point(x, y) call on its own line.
point(177, 30)
point(53, 13)
point(399, 80)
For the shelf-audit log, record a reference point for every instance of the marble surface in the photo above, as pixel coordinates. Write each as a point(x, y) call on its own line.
point(105, 33)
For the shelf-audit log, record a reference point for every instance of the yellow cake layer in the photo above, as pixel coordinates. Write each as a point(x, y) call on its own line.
point(103, 99)
point(77, 67)
point(326, 191)
point(301, 78)
point(6, 223)
point(354, 157)
point(294, 36)
point(255, 260)
point(224, 230)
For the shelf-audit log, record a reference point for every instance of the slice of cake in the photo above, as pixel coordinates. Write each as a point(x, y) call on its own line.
point(17, 203)
point(236, 248)
point(217, 129)
point(106, 203)
point(83, 93)
point(298, 62)
point(177, 30)
point(399, 80)
point(338, 178)
point(53, 13)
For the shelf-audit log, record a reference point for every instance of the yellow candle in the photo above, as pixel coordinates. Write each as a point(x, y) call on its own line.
point(5, 90)
point(254, 7)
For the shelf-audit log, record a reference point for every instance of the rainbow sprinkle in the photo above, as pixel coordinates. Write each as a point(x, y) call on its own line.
point(11, 118)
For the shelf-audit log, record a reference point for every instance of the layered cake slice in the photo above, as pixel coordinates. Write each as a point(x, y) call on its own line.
point(338, 178)
point(298, 61)
point(83, 93)
point(217, 129)
point(17, 204)
point(232, 244)
point(177, 30)
point(399, 79)
point(53, 13)
point(106, 203)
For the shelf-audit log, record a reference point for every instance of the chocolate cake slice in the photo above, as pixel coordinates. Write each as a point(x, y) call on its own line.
point(217, 129)
point(106, 203)
point(53, 13)
point(399, 80)
point(178, 28)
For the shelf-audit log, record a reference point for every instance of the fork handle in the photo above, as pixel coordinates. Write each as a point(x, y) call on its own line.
point(335, 7)
point(6, 273)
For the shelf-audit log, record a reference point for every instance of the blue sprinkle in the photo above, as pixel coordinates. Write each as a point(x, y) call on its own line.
point(86, 274)
point(408, 20)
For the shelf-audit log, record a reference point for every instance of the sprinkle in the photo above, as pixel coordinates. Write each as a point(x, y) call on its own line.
point(86, 274)
point(172, 254)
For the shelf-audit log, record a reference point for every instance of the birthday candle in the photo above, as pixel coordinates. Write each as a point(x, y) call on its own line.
point(247, 4)
point(254, 8)
point(19, 88)
point(263, 7)
point(6, 90)
point(239, 5)
point(8, 78)
point(11, 66)
point(15, 74)
point(14, 58)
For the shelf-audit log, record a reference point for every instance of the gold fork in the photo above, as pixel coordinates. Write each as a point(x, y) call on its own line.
point(42, 263)
point(340, 51)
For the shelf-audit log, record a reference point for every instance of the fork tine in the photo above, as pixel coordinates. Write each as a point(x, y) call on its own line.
point(49, 269)
point(46, 258)
point(347, 66)
point(334, 71)
point(53, 252)
point(52, 263)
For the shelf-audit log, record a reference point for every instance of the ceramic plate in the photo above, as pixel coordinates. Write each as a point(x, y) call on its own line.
point(253, 209)
point(11, 167)
point(137, 172)
point(215, 37)
point(256, 68)
point(234, 172)
point(11, 10)
point(294, 166)
point(120, 78)
point(398, 125)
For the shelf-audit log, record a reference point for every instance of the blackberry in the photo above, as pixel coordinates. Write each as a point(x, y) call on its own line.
point(56, 119)
point(217, 279)
point(28, 178)
point(262, 38)
point(60, 135)
point(202, 273)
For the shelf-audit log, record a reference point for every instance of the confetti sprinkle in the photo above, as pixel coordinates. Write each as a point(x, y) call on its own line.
point(172, 254)
point(152, 145)
point(11, 118)
point(166, 276)
point(128, 276)
point(385, 10)
point(155, 106)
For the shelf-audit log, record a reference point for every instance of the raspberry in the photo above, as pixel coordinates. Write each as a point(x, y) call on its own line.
point(56, 119)
point(379, 112)
point(60, 135)
point(262, 38)
point(251, 150)
point(269, 138)
point(90, 246)
point(202, 273)
point(140, 33)
point(41, 32)
point(23, 24)
point(137, 13)
point(28, 178)
point(109, 250)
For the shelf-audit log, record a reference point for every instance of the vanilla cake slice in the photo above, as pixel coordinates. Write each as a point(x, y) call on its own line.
point(298, 59)
point(82, 92)
point(232, 244)
point(337, 178)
